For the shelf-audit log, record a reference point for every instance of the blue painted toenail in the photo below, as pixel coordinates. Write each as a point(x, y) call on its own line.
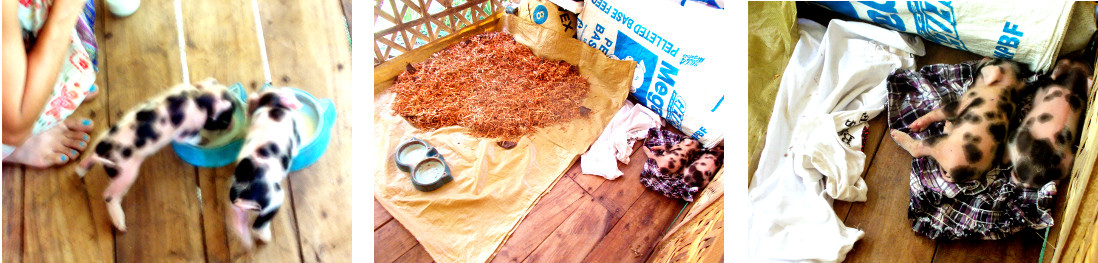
point(64, 158)
point(75, 153)
point(85, 137)
point(82, 144)
point(87, 122)
point(93, 88)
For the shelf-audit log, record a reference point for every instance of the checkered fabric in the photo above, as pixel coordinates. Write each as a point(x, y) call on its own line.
point(991, 208)
point(670, 185)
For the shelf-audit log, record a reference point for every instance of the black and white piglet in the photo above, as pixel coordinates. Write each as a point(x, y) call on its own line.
point(178, 114)
point(1043, 147)
point(264, 161)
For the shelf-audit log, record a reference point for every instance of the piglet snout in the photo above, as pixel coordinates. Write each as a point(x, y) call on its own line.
point(1015, 180)
point(240, 224)
point(246, 205)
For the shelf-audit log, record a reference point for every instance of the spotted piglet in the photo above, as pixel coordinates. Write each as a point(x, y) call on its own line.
point(1043, 147)
point(702, 170)
point(179, 114)
point(976, 123)
point(264, 161)
point(671, 161)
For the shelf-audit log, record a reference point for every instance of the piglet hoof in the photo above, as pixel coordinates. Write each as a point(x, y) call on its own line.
point(916, 126)
point(119, 224)
point(905, 141)
point(118, 218)
point(897, 136)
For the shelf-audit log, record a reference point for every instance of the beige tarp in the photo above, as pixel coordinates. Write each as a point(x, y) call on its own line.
point(771, 35)
point(493, 188)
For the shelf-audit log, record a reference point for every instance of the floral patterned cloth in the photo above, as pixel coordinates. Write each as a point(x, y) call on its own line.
point(78, 72)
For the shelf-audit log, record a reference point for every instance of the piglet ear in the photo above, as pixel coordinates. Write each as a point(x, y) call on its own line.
point(253, 103)
point(990, 77)
point(290, 102)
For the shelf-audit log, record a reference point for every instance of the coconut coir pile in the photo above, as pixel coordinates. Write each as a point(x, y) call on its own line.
point(492, 85)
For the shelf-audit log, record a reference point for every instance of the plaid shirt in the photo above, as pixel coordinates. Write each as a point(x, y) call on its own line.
point(990, 208)
point(670, 185)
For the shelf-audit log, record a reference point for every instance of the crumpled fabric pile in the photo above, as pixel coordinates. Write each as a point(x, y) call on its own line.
point(834, 84)
point(615, 144)
point(670, 185)
point(991, 208)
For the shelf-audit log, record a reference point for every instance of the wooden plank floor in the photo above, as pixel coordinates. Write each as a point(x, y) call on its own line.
point(583, 218)
point(175, 211)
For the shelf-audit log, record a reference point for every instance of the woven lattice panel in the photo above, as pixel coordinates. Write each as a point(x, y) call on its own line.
point(700, 240)
point(403, 25)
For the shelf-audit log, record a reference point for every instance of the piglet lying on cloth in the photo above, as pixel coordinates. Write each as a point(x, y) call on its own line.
point(677, 166)
point(988, 208)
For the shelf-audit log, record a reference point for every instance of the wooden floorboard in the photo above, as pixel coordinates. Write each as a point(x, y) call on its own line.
point(577, 235)
point(586, 182)
point(55, 209)
point(100, 112)
point(381, 216)
point(883, 216)
point(163, 202)
point(216, 232)
point(618, 195)
point(636, 236)
point(391, 241)
point(308, 48)
point(212, 48)
point(1023, 246)
point(542, 220)
point(1053, 234)
point(13, 213)
point(416, 255)
point(174, 211)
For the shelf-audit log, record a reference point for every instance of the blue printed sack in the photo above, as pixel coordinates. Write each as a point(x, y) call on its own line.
point(682, 69)
point(1035, 33)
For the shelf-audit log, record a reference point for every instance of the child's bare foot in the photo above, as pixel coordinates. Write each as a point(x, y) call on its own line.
point(56, 146)
point(92, 92)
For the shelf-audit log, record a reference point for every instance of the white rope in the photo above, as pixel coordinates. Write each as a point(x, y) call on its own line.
point(182, 42)
point(262, 44)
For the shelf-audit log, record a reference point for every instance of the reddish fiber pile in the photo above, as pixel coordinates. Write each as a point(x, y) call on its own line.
point(492, 85)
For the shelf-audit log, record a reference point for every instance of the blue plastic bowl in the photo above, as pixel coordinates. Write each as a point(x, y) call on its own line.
point(323, 111)
point(218, 155)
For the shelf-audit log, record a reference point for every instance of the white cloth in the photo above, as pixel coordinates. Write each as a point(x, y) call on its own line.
point(835, 80)
point(615, 143)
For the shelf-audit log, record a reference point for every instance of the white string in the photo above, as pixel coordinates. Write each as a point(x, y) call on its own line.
point(262, 44)
point(182, 42)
